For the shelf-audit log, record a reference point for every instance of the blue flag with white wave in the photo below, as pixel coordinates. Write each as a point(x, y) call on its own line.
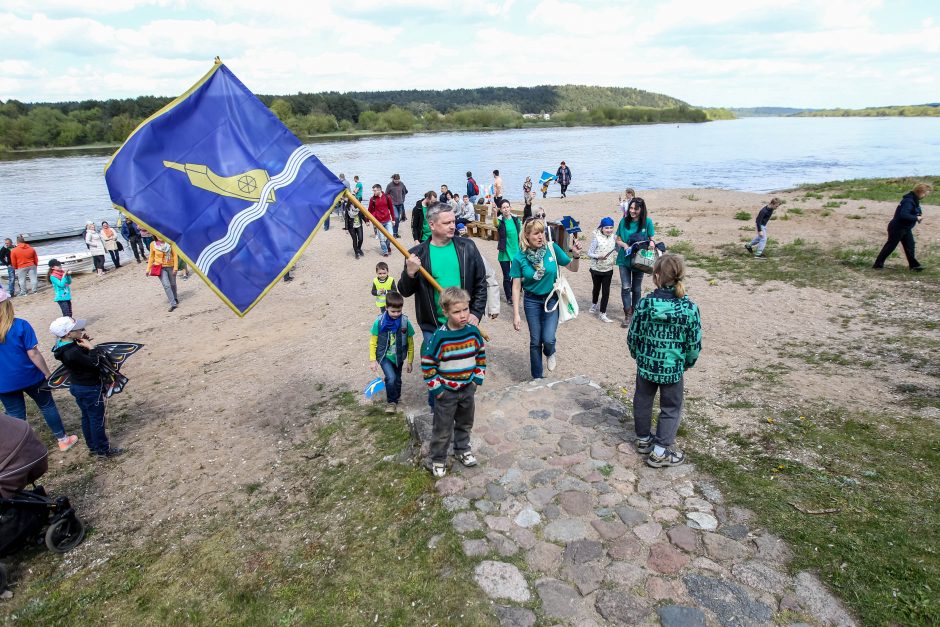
point(216, 173)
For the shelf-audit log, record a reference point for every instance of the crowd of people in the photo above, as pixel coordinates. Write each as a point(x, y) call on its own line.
point(453, 287)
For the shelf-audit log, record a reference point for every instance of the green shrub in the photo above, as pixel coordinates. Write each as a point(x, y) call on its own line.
point(742, 215)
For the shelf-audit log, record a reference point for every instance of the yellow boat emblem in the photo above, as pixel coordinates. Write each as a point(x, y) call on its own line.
point(246, 185)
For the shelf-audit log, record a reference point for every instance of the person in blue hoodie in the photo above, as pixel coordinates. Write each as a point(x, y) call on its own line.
point(901, 227)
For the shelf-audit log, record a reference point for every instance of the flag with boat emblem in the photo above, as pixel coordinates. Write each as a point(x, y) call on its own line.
point(218, 175)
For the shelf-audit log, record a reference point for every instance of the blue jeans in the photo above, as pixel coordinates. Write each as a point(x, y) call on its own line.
point(91, 403)
point(760, 241)
point(631, 287)
point(15, 405)
point(542, 327)
point(11, 280)
point(386, 246)
point(392, 380)
point(399, 214)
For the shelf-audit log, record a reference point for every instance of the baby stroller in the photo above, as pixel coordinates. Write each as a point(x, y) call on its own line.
point(29, 517)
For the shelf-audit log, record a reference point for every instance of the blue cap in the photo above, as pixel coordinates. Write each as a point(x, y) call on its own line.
point(606, 222)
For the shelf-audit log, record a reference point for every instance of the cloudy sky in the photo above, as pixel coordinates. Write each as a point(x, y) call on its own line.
point(800, 53)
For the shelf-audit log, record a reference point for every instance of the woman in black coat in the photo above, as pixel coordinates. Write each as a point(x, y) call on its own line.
point(901, 227)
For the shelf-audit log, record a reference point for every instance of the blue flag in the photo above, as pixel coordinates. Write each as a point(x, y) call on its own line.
point(218, 175)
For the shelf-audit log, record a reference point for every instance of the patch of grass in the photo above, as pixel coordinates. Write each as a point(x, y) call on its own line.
point(854, 216)
point(834, 204)
point(742, 215)
point(797, 211)
point(918, 396)
point(887, 189)
point(674, 231)
point(691, 197)
point(825, 213)
point(348, 547)
point(879, 550)
point(806, 263)
point(606, 470)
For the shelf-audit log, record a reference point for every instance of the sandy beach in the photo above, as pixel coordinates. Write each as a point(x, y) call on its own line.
point(213, 398)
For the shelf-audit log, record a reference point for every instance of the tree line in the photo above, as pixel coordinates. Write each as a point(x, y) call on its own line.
point(89, 122)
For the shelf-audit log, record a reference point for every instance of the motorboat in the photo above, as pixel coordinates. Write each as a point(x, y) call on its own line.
point(76, 262)
point(46, 236)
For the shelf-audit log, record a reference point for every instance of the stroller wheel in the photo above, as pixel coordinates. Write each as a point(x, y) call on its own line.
point(3, 577)
point(65, 534)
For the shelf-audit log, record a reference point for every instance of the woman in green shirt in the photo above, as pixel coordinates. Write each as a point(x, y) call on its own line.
point(634, 229)
point(534, 270)
point(508, 245)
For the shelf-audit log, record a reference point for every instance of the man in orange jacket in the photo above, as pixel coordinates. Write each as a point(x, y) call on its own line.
point(25, 261)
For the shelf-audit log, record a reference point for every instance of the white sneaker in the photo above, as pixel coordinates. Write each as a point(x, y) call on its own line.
point(604, 318)
point(551, 362)
point(594, 308)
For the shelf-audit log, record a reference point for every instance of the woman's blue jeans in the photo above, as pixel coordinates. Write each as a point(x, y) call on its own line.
point(542, 327)
point(15, 405)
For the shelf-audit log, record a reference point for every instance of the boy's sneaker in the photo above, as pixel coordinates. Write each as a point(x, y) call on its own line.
point(749, 249)
point(67, 442)
point(594, 308)
point(467, 459)
point(438, 470)
point(391, 408)
point(669, 457)
point(551, 362)
point(644, 445)
point(603, 318)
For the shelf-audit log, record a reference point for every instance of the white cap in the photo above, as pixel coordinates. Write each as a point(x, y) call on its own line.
point(61, 327)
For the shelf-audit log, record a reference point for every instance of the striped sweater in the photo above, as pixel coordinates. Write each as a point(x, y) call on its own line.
point(453, 359)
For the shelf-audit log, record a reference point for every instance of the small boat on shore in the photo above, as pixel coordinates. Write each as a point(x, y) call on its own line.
point(46, 236)
point(76, 262)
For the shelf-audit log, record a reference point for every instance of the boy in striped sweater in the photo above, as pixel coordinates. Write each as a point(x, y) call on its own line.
point(454, 363)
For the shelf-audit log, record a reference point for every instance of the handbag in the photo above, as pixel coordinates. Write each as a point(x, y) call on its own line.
point(567, 303)
point(120, 246)
point(155, 269)
point(643, 260)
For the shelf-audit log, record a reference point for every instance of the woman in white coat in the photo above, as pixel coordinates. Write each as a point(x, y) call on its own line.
point(95, 246)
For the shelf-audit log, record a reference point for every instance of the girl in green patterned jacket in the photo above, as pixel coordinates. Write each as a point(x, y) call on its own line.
point(665, 339)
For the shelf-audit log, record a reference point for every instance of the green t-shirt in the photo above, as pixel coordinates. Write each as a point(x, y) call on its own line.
point(426, 227)
point(522, 268)
point(391, 354)
point(445, 268)
point(624, 232)
point(512, 241)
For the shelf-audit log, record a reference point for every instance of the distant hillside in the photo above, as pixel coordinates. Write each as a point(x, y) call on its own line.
point(925, 110)
point(759, 112)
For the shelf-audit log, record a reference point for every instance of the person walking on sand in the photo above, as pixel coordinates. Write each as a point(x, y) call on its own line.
point(26, 262)
point(82, 359)
point(665, 339)
point(397, 192)
point(392, 347)
point(763, 217)
point(534, 271)
point(507, 229)
point(134, 239)
point(626, 200)
point(452, 262)
point(563, 176)
point(23, 371)
point(111, 243)
point(901, 227)
point(382, 209)
point(5, 260)
point(527, 197)
point(162, 263)
point(602, 253)
point(95, 246)
point(636, 229)
point(61, 281)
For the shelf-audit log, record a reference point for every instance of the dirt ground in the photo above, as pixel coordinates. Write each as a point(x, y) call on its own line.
point(214, 400)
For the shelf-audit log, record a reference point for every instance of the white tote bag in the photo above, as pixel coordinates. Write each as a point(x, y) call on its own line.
point(567, 304)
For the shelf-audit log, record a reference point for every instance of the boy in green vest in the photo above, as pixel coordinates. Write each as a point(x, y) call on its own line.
point(382, 284)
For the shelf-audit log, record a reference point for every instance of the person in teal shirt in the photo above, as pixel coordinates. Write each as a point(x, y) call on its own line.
point(635, 230)
point(533, 271)
point(508, 244)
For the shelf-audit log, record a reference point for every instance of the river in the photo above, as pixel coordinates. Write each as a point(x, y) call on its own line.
point(49, 191)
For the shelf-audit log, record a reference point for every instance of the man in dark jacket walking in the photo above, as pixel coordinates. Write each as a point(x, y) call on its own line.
point(397, 191)
point(5, 261)
point(901, 227)
point(564, 178)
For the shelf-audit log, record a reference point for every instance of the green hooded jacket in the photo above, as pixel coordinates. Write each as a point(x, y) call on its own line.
point(665, 336)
